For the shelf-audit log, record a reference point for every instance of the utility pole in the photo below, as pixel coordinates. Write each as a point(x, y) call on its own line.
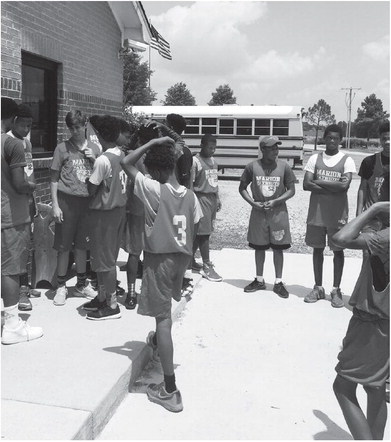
point(348, 100)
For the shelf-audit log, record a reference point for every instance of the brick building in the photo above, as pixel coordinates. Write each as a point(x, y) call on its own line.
point(57, 56)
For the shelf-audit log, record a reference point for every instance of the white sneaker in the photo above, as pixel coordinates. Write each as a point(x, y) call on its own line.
point(22, 333)
point(61, 295)
point(87, 291)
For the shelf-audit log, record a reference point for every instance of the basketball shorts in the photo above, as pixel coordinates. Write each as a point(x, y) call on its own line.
point(74, 230)
point(315, 237)
point(208, 203)
point(133, 236)
point(15, 242)
point(269, 228)
point(105, 233)
point(365, 354)
point(162, 280)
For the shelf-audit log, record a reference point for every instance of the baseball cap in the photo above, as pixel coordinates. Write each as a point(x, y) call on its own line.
point(268, 141)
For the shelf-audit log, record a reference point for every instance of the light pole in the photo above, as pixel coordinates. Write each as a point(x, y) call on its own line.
point(348, 100)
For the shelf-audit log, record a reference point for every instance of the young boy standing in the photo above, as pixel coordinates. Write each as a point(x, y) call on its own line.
point(107, 188)
point(272, 184)
point(171, 212)
point(205, 173)
point(327, 176)
point(365, 355)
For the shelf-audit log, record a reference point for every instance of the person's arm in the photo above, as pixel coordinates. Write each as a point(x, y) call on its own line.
point(128, 163)
point(362, 191)
point(289, 193)
point(349, 236)
point(19, 182)
point(57, 212)
point(246, 196)
point(308, 184)
point(336, 186)
point(92, 188)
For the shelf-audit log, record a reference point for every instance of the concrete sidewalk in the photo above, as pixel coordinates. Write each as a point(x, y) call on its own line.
point(67, 384)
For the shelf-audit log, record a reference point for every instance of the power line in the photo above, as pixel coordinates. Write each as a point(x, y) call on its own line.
point(348, 101)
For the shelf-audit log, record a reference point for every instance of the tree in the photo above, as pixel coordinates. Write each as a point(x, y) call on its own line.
point(223, 95)
point(369, 117)
point(135, 81)
point(178, 95)
point(319, 115)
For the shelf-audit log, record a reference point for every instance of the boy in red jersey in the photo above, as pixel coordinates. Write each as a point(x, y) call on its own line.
point(171, 212)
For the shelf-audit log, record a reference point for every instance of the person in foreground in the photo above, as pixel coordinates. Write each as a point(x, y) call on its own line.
point(365, 355)
point(171, 213)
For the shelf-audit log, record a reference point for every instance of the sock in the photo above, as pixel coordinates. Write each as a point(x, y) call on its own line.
point(81, 279)
point(154, 339)
point(132, 290)
point(169, 382)
point(11, 316)
point(61, 280)
point(278, 280)
point(259, 278)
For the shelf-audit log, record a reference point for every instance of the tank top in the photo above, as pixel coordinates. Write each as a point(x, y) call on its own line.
point(173, 228)
point(331, 209)
point(207, 179)
point(374, 182)
point(112, 191)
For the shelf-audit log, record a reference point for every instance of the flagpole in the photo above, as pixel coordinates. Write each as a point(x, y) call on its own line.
point(149, 65)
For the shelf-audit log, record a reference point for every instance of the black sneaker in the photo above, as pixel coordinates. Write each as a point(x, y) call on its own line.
point(94, 305)
point(105, 313)
point(130, 302)
point(254, 286)
point(280, 290)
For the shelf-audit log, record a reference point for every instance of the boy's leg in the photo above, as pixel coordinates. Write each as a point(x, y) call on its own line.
point(317, 263)
point(345, 391)
point(131, 275)
point(203, 243)
point(10, 296)
point(165, 346)
point(62, 270)
point(208, 270)
point(259, 263)
point(24, 301)
point(338, 261)
point(278, 260)
point(376, 410)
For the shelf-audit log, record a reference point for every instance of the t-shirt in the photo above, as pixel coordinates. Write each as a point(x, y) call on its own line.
point(368, 164)
point(205, 172)
point(14, 206)
point(74, 167)
point(28, 153)
point(331, 161)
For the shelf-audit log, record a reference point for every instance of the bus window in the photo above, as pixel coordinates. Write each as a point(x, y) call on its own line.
point(209, 125)
point(192, 126)
point(244, 126)
point(280, 127)
point(262, 126)
point(226, 127)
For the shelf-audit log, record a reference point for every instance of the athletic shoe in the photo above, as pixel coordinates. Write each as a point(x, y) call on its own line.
point(60, 296)
point(94, 305)
point(187, 287)
point(149, 340)
point(196, 266)
point(32, 293)
point(22, 333)
point(209, 273)
point(281, 290)
point(24, 304)
point(105, 312)
point(170, 401)
point(86, 291)
point(315, 294)
point(130, 301)
point(254, 286)
point(336, 298)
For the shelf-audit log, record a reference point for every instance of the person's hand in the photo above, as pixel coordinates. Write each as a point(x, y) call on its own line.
point(218, 205)
point(258, 205)
point(58, 215)
point(88, 152)
point(164, 140)
point(344, 179)
point(270, 204)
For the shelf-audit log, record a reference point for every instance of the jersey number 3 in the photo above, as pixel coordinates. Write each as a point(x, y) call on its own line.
point(179, 221)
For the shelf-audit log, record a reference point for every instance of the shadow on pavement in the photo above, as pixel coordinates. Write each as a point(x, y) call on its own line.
point(129, 349)
point(239, 283)
point(333, 431)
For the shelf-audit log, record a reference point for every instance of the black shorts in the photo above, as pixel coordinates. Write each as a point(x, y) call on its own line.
point(268, 246)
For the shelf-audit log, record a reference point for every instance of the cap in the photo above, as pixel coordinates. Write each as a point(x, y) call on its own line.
point(268, 141)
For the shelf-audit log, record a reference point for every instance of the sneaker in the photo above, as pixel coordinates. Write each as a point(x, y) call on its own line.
point(34, 293)
point(149, 340)
point(94, 305)
point(24, 304)
point(105, 312)
point(170, 401)
point(254, 286)
point(86, 291)
point(130, 301)
point(315, 294)
point(196, 266)
point(61, 295)
point(209, 273)
point(187, 287)
point(281, 290)
point(22, 333)
point(336, 298)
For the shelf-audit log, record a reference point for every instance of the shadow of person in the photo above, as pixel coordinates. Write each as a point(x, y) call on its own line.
point(239, 283)
point(333, 431)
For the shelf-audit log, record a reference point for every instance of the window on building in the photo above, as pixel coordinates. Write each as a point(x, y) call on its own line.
point(39, 91)
point(244, 126)
point(226, 126)
point(192, 126)
point(280, 127)
point(262, 126)
point(209, 126)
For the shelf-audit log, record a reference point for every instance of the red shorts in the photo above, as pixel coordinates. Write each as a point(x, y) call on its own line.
point(15, 242)
point(315, 237)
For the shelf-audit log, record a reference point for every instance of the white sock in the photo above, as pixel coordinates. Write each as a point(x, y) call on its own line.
point(278, 280)
point(259, 278)
point(11, 316)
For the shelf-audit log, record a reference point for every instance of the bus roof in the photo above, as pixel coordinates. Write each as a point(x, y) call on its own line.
point(221, 111)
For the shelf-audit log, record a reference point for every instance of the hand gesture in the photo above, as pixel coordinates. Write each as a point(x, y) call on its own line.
point(268, 205)
point(88, 152)
point(258, 205)
point(58, 215)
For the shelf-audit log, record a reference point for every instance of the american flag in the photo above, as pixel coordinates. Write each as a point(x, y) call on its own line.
point(160, 44)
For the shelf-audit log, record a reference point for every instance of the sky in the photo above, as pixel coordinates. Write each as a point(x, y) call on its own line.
point(275, 52)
